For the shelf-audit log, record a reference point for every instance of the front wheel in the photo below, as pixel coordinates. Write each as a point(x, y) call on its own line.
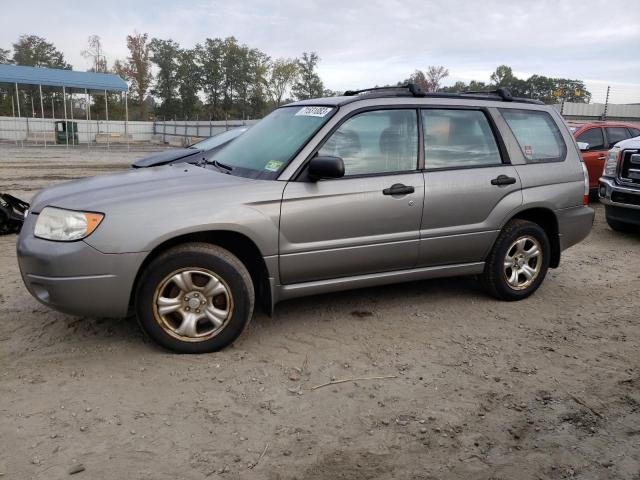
point(195, 298)
point(518, 261)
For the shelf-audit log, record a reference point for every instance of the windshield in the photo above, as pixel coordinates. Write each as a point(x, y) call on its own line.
point(220, 139)
point(268, 146)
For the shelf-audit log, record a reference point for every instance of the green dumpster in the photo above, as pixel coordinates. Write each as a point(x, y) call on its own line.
point(66, 130)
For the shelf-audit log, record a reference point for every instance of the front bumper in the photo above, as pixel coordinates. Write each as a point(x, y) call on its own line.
point(622, 203)
point(74, 277)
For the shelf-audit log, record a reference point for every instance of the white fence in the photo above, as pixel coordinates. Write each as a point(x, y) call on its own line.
point(595, 111)
point(196, 129)
point(36, 130)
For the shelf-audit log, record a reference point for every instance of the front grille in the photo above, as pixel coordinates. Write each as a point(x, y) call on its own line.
point(630, 167)
point(628, 198)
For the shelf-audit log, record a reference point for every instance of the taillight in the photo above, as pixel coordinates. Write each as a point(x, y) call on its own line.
point(585, 173)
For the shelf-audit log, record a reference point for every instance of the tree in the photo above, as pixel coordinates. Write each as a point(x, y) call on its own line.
point(34, 51)
point(95, 52)
point(308, 85)
point(418, 78)
point(281, 76)
point(210, 56)
point(137, 68)
point(188, 75)
point(259, 64)
point(502, 77)
point(434, 76)
point(164, 54)
point(4, 56)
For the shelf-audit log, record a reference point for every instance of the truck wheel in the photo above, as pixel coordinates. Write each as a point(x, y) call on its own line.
point(518, 261)
point(195, 298)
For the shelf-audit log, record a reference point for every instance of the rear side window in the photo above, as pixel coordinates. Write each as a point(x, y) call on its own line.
point(457, 139)
point(616, 134)
point(593, 137)
point(538, 135)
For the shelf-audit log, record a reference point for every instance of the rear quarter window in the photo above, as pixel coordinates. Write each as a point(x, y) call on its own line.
point(537, 134)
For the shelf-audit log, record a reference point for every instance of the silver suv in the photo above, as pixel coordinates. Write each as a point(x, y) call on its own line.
point(373, 187)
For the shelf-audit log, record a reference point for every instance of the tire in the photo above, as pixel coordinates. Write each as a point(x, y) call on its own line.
point(619, 226)
point(195, 298)
point(495, 276)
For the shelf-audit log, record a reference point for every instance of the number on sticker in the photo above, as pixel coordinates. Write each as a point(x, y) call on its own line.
point(313, 111)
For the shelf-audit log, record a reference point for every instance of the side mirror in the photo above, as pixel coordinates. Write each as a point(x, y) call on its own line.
point(326, 167)
point(583, 146)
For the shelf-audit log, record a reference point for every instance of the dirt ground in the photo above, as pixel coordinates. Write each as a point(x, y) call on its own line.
point(546, 388)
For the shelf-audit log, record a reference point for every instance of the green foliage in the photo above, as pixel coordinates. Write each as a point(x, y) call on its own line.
point(4, 56)
point(164, 53)
point(34, 51)
point(538, 87)
point(308, 85)
point(284, 72)
point(188, 79)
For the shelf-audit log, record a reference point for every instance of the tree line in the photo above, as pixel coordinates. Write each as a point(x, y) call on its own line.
point(537, 87)
point(217, 79)
point(222, 78)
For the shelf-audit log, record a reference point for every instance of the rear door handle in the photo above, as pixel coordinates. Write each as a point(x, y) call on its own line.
point(398, 189)
point(503, 180)
point(602, 158)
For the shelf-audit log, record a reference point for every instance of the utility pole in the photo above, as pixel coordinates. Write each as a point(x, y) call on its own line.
point(606, 103)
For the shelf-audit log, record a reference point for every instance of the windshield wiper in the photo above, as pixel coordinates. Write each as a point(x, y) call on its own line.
point(221, 166)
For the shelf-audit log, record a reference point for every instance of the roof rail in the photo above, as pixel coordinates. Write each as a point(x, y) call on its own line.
point(414, 89)
point(499, 94)
point(503, 93)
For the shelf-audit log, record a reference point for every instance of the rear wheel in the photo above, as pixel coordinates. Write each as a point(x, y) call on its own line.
point(518, 261)
point(195, 298)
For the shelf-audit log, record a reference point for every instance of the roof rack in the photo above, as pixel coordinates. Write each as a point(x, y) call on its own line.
point(499, 94)
point(503, 93)
point(414, 89)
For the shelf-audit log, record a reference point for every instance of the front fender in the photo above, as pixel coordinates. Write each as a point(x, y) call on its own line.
point(253, 212)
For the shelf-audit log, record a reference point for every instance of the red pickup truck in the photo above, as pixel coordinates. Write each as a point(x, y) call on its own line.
point(595, 139)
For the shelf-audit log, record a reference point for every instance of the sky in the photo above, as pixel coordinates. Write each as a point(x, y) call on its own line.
point(371, 42)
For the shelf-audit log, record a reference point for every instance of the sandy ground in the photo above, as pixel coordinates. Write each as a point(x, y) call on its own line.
point(547, 388)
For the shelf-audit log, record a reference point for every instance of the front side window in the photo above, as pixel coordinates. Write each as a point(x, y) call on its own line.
point(615, 135)
point(266, 148)
point(634, 132)
point(376, 142)
point(593, 137)
point(538, 135)
point(458, 138)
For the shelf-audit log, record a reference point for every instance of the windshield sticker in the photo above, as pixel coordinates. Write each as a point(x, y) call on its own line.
point(528, 151)
point(273, 165)
point(313, 111)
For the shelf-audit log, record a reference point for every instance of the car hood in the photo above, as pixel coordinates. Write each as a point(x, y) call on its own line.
point(628, 143)
point(167, 156)
point(97, 193)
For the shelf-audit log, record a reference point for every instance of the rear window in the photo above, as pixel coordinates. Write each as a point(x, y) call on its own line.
point(537, 134)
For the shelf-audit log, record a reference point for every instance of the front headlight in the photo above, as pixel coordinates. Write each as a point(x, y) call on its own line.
point(66, 225)
point(611, 165)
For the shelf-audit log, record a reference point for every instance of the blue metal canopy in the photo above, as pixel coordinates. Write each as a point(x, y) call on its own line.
point(61, 78)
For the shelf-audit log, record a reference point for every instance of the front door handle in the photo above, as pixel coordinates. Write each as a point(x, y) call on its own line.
point(503, 180)
point(398, 189)
point(602, 158)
